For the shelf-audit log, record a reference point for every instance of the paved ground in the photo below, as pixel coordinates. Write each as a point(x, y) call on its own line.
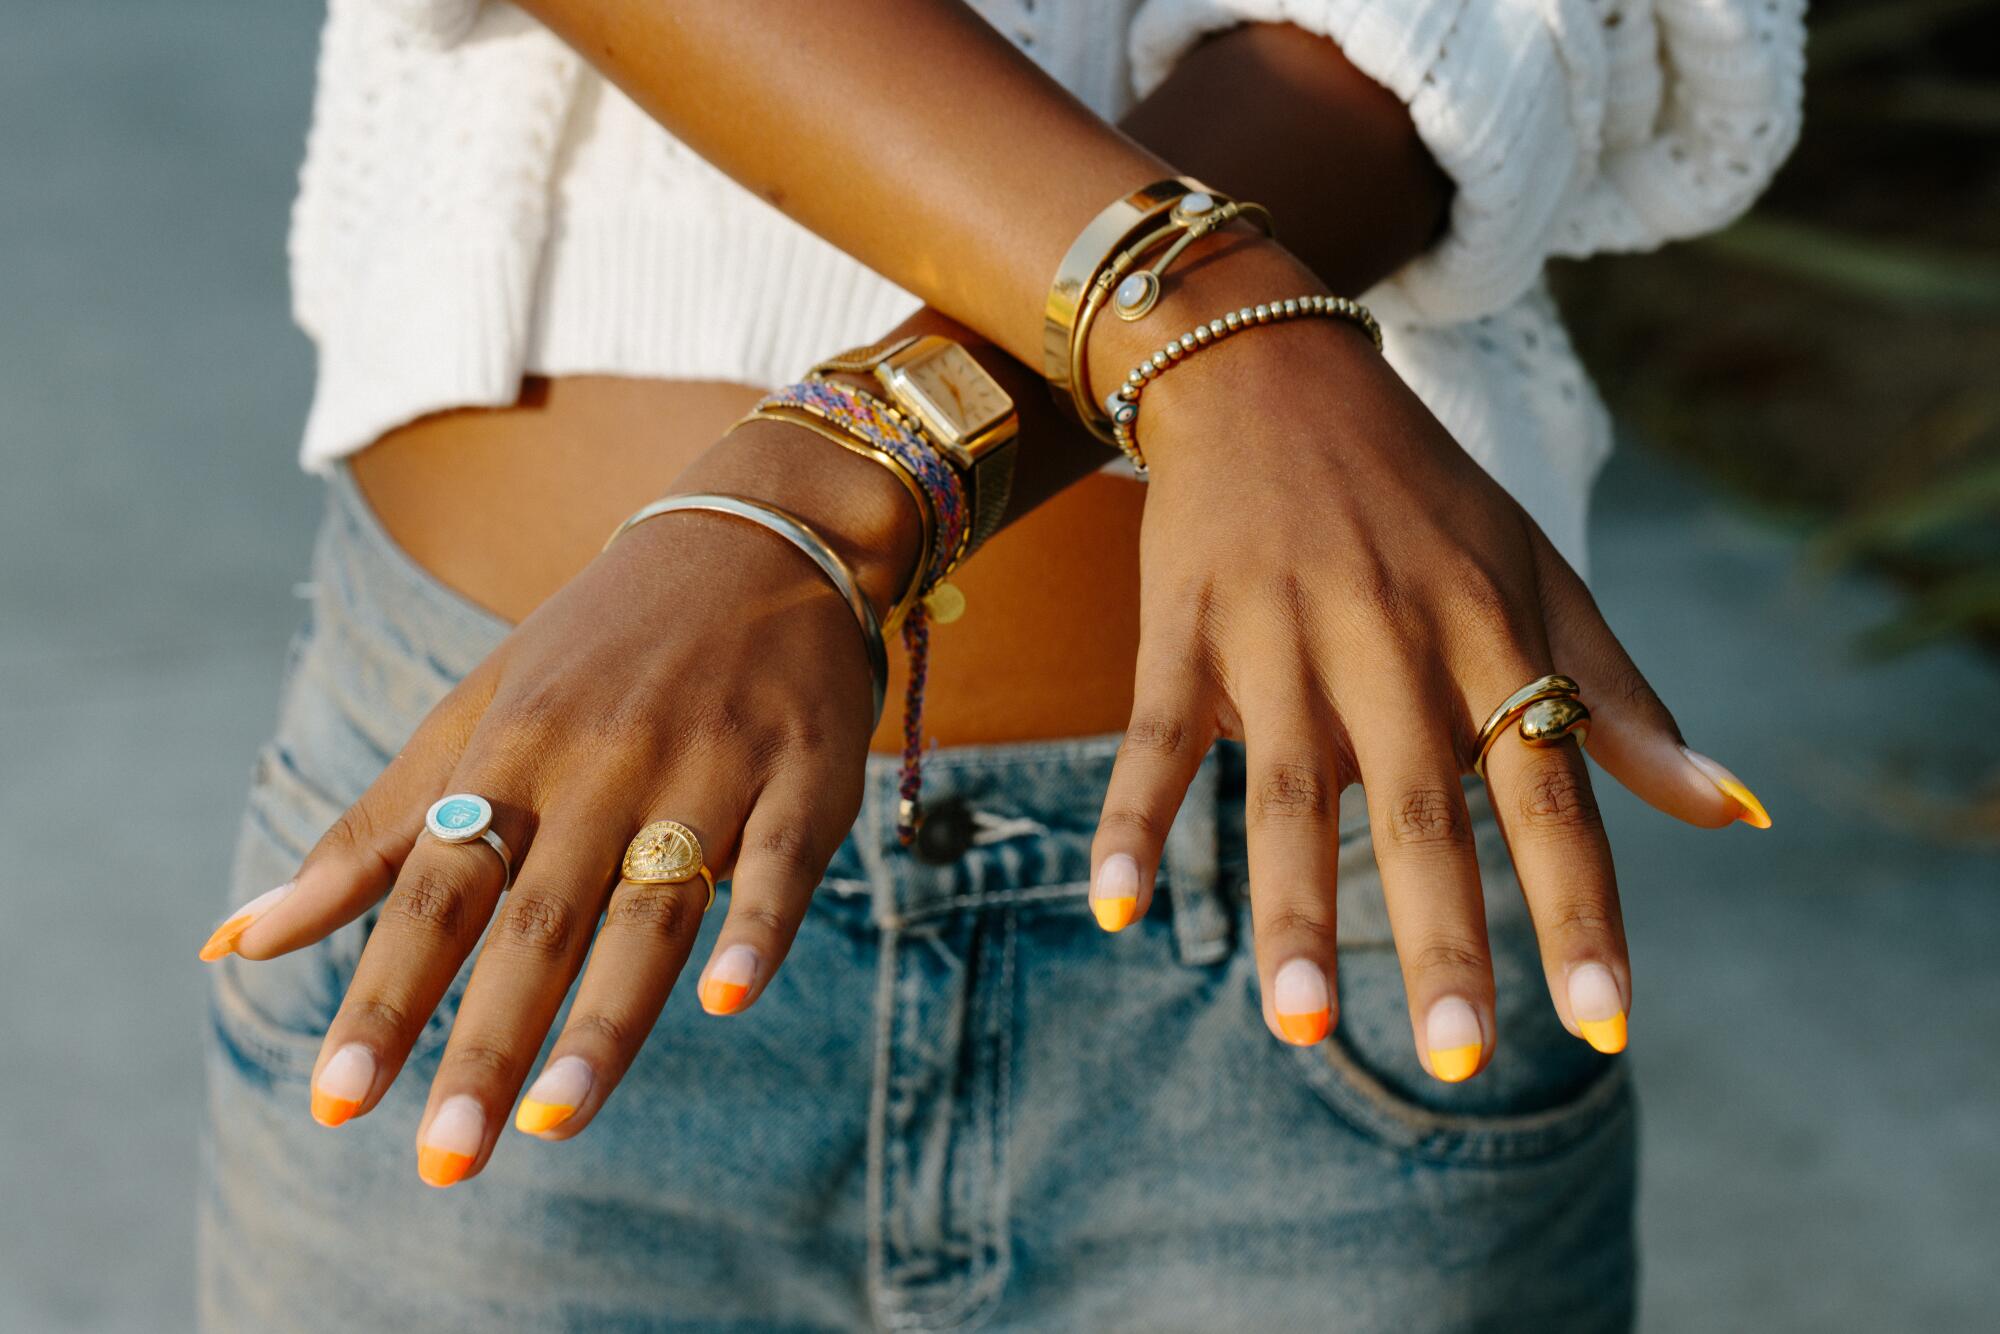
point(1814, 1034)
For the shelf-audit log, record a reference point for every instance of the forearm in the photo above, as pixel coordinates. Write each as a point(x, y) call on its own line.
point(1331, 153)
point(907, 132)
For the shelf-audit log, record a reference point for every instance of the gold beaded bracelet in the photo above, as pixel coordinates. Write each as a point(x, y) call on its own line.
point(1132, 295)
point(1122, 404)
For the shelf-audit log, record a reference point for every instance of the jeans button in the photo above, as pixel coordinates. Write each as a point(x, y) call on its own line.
point(945, 834)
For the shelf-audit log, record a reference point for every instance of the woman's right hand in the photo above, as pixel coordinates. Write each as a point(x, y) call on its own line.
point(701, 671)
point(1328, 577)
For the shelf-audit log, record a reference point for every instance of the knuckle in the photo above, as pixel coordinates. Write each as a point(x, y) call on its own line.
point(480, 1059)
point(713, 723)
point(1155, 736)
point(1558, 798)
point(543, 925)
point(601, 1027)
point(787, 848)
point(1431, 817)
point(761, 919)
point(1582, 914)
point(1134, 821)
point(430, 900)
point(1297, 921)
point(378, 1014)
point(1376, 594)
point(652, 913)
point(1292, 791)
point(1629, 687)
point(1449, 956)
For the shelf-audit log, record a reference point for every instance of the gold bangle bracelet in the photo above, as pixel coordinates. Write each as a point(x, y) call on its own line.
point(826, 430)
point(1103, 236)
point(1184, 232)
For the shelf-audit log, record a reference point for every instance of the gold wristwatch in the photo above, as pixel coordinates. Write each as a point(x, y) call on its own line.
point(961, 408)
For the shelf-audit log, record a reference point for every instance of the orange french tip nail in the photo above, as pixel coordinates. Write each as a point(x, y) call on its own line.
point(223, 941)
point(1305, 1029)
point(723, 997)
point(1455, 1064)
point(1115, 914)
point(439, 1167)
point(1607, 1035)
point(331, 1111)
point(535, 1117)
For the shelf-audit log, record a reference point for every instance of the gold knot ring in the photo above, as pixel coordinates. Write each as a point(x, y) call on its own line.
point(666, 853)
point(1547, 709)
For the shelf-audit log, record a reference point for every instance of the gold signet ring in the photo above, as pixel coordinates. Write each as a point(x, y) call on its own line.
point(667, 853)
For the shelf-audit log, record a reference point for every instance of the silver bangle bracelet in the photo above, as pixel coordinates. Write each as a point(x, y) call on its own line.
point(796, 531)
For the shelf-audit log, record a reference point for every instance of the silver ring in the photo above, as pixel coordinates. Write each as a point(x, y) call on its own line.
point(463, 817)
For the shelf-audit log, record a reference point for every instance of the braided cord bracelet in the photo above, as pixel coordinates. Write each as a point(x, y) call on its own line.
point(1122, 404)
point(881, 425)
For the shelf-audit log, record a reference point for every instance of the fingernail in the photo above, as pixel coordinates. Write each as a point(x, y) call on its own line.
point(728, 980)
point(554, 1098)
point(343, 1084)
point(1597, 1007)
point(223, 940)
point(1299, 995)
point(1114, 895)
point(1451, 1031)
point(1751, 811)
point(452, 1141)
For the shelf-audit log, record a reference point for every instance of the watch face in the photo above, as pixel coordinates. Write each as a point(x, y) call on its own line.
point(956, 396)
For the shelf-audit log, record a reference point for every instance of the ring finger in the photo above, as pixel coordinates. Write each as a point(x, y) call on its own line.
point(531, 956)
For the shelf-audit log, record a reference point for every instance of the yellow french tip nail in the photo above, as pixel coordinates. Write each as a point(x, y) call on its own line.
point(1753, 813)
point(1749, 810)
point(441, 1168)
point(223, 941)
point(1115, 914)
point(331, 1111)
point(535, 1117)
point(1455, 1064)
point(1607, 1035)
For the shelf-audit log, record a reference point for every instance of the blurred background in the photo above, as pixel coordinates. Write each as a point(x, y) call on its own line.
point(1800, 541)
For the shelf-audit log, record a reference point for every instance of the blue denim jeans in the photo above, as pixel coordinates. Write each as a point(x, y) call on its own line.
point(959, 1103)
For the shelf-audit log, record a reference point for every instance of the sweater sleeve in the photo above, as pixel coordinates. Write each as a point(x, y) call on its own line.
point(1568, 127)
point(438, 22)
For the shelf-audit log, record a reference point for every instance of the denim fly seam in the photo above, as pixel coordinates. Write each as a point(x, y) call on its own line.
point(947, 1003)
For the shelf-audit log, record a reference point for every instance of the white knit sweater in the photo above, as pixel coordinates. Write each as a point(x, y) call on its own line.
point(476, 204)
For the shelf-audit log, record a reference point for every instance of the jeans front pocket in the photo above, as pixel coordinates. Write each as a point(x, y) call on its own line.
point(1542, 1092)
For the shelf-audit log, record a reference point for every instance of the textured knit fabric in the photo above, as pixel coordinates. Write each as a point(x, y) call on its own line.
point(476, 204)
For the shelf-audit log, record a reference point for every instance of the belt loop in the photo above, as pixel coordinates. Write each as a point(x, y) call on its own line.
point(1202, 921)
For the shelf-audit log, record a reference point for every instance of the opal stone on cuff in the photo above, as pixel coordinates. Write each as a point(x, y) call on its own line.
point(1136, 295)
point(459, 818)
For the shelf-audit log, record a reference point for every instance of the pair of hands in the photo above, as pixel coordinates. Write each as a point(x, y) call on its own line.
point(1326, 577)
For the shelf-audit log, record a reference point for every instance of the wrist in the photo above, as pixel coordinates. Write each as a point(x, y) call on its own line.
point(855, 504)
point(1217, 274)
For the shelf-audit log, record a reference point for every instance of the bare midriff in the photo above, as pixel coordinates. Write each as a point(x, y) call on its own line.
point(505, 505)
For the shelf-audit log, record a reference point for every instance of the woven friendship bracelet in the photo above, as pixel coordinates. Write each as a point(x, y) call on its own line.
point(1122, 404)
point(880, 424)
point(887, 429)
